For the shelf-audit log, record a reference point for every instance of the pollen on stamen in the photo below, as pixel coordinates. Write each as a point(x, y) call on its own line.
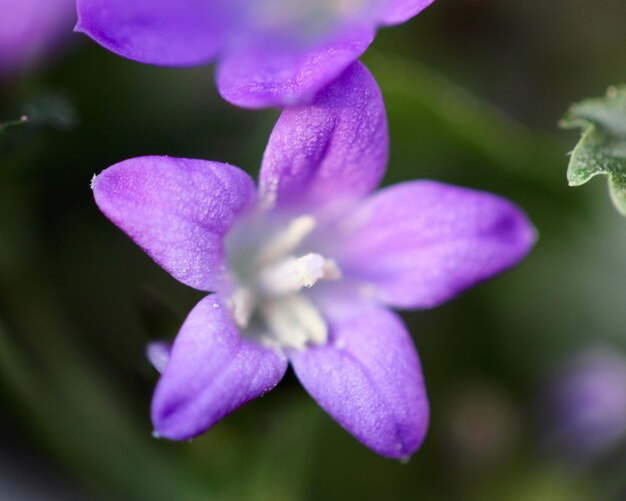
point(294, 274)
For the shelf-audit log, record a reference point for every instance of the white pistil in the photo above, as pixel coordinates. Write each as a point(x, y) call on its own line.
point(283, 327)
point(293, 274)
point(294, 321)
point(286, 241)
point(308, 316)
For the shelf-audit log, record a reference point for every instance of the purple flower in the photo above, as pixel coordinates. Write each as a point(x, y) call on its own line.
point(585, 404)
point(29, 29)
point(270, 52)
point(305, 271)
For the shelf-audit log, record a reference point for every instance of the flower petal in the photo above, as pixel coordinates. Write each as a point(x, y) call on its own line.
point(368, 377)
point(30, 30)
point(211, 372)
point(334, 150)
point(158, 354)
point(400, 11)
point(418, 244)
point(162, 32)
point(178, 210)
point(277, 74)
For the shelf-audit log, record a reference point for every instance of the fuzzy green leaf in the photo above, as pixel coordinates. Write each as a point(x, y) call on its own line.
point(602, 147)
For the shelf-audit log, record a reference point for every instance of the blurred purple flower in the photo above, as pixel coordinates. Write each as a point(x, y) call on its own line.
point(158, 354)
point(304, 272)
point(30, 29)
point(586, 404)
point(269, 52)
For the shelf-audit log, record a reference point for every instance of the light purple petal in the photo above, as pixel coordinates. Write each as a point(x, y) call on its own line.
point(368, 377)
point(30, 29)
point(332, 151)
point(421, 243)
point(400, 11)
point(162, 32)
point(158, 354)
point(178, 210)
point(211, 372)
point(277, 74)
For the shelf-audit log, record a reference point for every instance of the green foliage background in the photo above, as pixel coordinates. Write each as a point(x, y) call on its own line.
point(474, 90)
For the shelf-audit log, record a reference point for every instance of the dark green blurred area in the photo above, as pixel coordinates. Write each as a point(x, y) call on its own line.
point(474, 90)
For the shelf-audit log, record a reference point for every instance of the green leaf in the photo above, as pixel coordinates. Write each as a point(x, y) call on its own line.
point(602, 147)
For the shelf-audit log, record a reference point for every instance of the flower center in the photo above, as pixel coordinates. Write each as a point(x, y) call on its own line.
point(304, 21)
point(273, 272)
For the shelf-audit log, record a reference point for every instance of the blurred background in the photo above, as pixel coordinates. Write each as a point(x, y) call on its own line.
point(526, 374)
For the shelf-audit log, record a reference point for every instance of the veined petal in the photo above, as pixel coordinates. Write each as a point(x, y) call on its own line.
point(277, 74)
point(211, 372)
point(162, 32)
point(367, 377)
point(178, 210)
point(400, 11)
point(418, 244)
point(331, 151)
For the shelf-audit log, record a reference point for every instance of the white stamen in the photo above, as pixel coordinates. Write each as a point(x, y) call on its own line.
point(286, 241)
point(294, 321)
point(241, 305)
point(308, 316)
point(283, 327)
point(293, 274)
point(269, 304)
